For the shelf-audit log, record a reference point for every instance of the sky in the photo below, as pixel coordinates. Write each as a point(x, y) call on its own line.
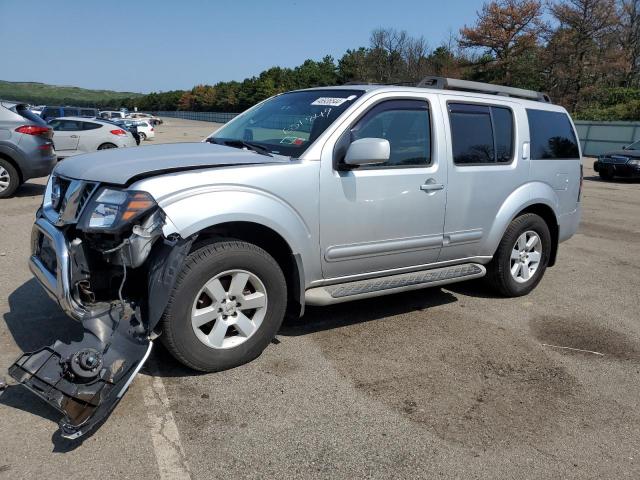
point(144, 46)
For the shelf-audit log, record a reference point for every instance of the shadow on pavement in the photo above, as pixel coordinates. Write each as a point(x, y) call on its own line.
point(317, 319)
point(34, 320)
point(30, 190)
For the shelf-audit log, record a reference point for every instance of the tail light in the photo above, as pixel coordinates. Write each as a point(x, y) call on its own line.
point(119, 132)
point(37, 130)
point(152, 129)
point(581, 182)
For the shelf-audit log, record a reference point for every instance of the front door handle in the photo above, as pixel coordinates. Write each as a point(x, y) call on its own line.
point(431, 187)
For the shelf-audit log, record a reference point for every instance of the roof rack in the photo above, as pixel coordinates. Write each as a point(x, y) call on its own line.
point(469, 86)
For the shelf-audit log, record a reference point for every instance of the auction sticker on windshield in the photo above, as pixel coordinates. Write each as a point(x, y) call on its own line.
point(332, 101)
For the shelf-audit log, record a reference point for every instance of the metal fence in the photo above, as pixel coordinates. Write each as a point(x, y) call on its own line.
point(595, 137)
point(217, 117)
point(599, 137)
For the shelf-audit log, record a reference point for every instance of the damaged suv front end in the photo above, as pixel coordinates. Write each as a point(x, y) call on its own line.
point(100, 253)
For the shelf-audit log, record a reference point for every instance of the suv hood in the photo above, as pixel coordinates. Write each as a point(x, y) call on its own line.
point(120, 166)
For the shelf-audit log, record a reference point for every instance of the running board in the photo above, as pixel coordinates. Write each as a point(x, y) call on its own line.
point(375, 287)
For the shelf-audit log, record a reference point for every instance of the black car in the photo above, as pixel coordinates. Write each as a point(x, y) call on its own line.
point(619, 163)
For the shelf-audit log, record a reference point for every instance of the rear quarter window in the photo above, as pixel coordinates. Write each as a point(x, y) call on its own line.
point(552, 136)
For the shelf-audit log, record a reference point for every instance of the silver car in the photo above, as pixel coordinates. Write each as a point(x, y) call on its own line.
point(312, 197)
point(76, 135)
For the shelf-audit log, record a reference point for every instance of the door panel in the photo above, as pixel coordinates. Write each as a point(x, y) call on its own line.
point(485, 167)
point(381, 218)
point(66, 135)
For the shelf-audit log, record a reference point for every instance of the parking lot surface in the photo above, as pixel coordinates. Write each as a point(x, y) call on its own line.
point(446, 382)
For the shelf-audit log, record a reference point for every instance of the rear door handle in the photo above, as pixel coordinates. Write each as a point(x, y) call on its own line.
point(431, 187)
point(74, 136)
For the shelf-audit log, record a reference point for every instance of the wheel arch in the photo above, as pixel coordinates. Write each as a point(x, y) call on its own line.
point(13, 162)
point(274, 244)
point(535, 197)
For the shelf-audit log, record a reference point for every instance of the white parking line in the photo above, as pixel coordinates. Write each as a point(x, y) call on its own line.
point(172, 462)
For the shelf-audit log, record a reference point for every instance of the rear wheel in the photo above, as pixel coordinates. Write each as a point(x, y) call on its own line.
point(143, 136)
point(9, 179)
point(106, 146)
point(522, 256)
point(227, 305)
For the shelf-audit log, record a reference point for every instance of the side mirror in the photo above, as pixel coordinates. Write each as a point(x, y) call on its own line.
point(368, 151)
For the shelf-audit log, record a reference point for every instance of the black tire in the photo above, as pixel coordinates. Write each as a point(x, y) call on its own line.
point(499, 269)
point(14, 179)
point(106, 146)
point(143, 136)
point(199, 267)
point(605, 174)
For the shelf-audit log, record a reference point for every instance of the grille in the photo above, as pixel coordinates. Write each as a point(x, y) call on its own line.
point(84, 197)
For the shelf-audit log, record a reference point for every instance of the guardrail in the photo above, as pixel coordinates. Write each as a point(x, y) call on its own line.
point(216, 117)
point(595, 137)
point(599, 137)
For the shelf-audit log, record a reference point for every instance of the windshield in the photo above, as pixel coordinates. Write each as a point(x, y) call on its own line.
point(289, 123)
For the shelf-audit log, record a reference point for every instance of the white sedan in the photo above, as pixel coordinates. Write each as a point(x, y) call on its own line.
point(76, 135)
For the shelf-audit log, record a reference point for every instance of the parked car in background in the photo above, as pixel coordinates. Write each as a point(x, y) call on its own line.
point(112, 114)
point(153, 120)
point(75, 135)
point(619, 163)
point(26, 148)
point(145, 130)
point(56, 112)
point(127, 125)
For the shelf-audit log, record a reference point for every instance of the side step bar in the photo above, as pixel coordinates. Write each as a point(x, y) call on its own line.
point(375, 287)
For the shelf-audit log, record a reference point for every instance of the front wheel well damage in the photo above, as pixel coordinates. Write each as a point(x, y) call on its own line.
point(270, 241)
point(548, 215)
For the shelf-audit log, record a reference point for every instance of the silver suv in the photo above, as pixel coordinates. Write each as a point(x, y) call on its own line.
point(312, 197)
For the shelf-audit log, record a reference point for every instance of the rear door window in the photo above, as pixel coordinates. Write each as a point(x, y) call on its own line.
point(481, 134)
point(552, 136)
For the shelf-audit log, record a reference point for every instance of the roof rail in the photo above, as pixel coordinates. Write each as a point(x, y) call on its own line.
point(469, 86)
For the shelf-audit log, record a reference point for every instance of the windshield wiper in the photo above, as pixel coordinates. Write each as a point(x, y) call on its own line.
point(242, 143)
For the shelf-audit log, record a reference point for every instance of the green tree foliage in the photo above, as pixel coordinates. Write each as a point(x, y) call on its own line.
point(584, 53)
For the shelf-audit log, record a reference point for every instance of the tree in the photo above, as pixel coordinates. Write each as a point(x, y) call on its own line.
point(579, 50)
point(506, 30)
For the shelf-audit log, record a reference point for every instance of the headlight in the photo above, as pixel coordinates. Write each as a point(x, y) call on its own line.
point(634, 161)
point(111, 210)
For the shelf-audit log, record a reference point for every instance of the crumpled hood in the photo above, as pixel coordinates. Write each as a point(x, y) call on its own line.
point(120, 165)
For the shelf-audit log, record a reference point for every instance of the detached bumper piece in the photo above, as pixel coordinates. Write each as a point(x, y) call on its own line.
point(85, 380)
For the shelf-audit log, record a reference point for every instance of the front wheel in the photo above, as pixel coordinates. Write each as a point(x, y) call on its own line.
point(522, 256)
point(605, 174)
point(227, 305)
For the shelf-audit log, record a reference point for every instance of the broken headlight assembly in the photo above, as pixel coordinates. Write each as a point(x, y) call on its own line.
point(112, 210)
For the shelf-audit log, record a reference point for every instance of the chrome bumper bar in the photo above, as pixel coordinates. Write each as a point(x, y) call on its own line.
point(56, 284)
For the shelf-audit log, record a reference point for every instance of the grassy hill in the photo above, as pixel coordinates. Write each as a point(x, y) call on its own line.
point(40, 93)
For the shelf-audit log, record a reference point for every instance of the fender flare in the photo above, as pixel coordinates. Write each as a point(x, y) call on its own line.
point(525, 196)
point(190, 214)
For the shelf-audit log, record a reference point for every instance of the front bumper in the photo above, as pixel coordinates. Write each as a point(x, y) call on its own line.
point(56, 283)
